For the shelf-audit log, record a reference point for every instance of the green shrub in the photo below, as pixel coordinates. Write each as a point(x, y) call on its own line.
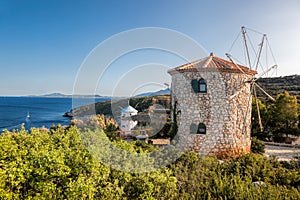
point(57, 165)
point(257, 146)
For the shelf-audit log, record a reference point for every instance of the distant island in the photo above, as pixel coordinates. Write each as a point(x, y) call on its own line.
point(60, 95)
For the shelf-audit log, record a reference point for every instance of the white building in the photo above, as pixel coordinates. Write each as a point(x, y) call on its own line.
point(126, 122)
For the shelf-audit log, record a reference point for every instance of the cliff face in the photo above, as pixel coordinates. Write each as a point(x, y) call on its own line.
point(277, 85)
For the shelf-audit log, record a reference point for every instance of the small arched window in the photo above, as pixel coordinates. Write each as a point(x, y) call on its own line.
point(201, 129)
point(197, 129)
point(202, 86)
point(199, 86)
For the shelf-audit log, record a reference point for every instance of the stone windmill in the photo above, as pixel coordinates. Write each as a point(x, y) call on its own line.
point(211, 100)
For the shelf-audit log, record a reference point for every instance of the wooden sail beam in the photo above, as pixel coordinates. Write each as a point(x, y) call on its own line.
point(229, 57)
point(258, 111)
point(264, 92)
point(246, 46)
point(247, 110)
point(268, 70)
point(260, 50)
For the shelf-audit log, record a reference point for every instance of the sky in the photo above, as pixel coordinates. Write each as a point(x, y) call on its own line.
point(44, 44)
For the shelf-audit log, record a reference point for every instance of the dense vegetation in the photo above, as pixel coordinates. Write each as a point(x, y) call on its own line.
point(279, 118)
point(56, 164)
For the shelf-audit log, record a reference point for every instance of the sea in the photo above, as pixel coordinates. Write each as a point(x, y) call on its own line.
point(38, 111)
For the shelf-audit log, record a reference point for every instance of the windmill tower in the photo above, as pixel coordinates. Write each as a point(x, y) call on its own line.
point(212, 100)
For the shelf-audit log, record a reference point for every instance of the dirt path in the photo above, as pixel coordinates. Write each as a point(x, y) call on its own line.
point(282, 153)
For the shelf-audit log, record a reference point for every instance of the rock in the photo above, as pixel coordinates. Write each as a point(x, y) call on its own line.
point(258, 183)
point(68, 114)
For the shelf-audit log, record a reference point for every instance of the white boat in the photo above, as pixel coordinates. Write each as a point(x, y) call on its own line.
point(28, 118)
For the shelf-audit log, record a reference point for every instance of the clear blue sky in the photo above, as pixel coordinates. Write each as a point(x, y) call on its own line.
point(43, 43)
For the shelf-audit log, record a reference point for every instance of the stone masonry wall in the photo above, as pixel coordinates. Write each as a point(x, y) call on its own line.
point(227, 121)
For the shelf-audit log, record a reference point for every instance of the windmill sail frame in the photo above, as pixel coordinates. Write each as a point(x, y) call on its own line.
point(253, 81)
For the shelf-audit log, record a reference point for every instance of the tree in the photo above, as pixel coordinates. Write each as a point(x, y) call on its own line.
point(285, 116)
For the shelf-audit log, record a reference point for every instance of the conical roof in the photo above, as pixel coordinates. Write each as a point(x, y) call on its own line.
point(129, 109)
point(212, 62)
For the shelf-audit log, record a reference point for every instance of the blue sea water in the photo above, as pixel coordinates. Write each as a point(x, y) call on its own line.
point(42, 111)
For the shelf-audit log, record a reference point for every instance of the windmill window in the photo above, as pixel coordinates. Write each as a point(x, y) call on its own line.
point(199, 86)
point(201, 129)
point(202, 86)
point(197, 129)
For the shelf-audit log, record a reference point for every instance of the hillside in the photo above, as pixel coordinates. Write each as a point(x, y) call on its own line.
point(281, 84)
point(113, 107)
point(157, 93)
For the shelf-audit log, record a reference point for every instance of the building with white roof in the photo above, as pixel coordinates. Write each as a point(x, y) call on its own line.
point(126, 122)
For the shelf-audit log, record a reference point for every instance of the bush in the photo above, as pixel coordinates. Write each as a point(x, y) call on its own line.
point(208, 178)
point(57, 165)
point(257, 146)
